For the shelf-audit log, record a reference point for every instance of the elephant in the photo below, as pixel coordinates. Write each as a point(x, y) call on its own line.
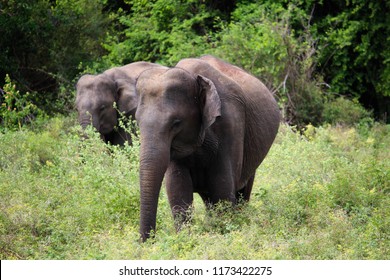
point(96, 95)
point(205, 125)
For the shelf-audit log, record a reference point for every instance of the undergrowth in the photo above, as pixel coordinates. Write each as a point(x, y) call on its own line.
point(320, 194)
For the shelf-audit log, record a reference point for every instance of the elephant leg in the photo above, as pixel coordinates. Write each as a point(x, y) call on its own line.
point(224, 173)
point(220, 183)
point(207, 200)
point(245, 193)
point(180, 192)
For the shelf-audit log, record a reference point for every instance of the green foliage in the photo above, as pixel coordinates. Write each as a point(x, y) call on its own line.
point(50, 173)
point(16, 109)
point(254, 41)
point(67, 197)
point(261, 39)
point(43, 43)
point(354, 51)
point(161, 30)
point(344, 111)
point(303, 50)
point(322, 193)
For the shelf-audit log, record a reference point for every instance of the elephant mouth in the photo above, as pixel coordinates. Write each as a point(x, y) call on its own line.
point(107, 128)
point(181, 151)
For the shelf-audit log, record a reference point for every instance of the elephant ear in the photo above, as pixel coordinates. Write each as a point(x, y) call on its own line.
point(127, 98)
point(210, 103)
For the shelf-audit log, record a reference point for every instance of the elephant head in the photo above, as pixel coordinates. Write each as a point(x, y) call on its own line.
point(96, 95)
point(175, 108)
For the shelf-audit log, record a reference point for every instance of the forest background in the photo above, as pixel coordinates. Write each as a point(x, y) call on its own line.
point(321, 193)
point(325, 61)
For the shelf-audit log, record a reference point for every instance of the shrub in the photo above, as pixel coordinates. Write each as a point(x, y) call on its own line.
point(320, 195)
point(261, 40)
point(344, 111)
point(254, 41)
point(16, 108)
point(43, 42)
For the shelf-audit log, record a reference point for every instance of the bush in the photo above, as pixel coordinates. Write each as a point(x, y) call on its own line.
point(320, 195)
point(47, 175)
point(43, 43)
point(261, 40)
point(344, 111)
point(163, 30)
point(254, 41)
point(305, 103)
point(293, 46)
point(16, 108)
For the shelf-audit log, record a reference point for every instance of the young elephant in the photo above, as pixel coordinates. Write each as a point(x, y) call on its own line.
point(96, 95)
point(207, 129)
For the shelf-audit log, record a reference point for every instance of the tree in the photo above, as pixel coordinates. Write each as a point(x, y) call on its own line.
point(166, 30)
point(307, 51)
point(261, 39)
point(43, 43)
point(354, 52)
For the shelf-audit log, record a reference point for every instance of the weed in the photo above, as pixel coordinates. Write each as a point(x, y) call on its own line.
point(323, 194)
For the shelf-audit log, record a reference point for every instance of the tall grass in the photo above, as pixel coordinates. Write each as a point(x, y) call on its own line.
point(323, 194)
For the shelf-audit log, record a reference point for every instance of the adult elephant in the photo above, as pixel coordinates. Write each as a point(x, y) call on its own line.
point(96, 95)
point(207, 131)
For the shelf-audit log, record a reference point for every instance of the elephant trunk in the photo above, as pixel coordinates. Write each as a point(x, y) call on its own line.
point(84, 122)
point(85, 119)
point(154, 159)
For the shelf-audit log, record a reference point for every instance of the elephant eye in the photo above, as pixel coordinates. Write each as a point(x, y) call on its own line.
point(102, 108)
point(176, 123)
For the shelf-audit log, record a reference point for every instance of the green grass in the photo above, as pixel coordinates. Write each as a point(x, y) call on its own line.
point(321, 195)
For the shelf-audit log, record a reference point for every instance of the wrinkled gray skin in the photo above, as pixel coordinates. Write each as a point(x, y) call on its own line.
point(96, 95)
point(207, 129)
